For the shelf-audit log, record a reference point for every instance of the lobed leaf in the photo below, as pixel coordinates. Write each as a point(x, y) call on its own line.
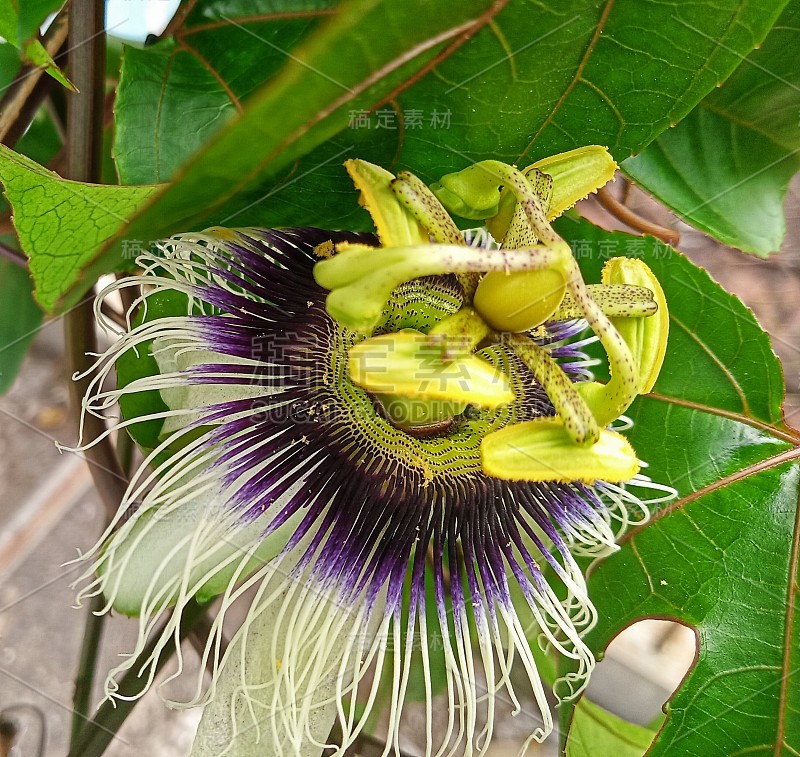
point(727, 166)
point(723, 557)
point(217, 112)
point(512, 79)
point(62, 225)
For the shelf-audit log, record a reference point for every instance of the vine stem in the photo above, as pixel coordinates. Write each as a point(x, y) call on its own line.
point(84, 143)
point(98, 732)
point(176, 22)
point(85, 116)
point(623, 213)
point(87, 664)
point(95, 622)
point(10, 254)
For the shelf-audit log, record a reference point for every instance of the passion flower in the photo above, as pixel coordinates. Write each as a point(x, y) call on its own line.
point(347, 433)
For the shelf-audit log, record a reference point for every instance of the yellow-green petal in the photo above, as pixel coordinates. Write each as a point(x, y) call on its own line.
point(395, 225)
point(576, 174)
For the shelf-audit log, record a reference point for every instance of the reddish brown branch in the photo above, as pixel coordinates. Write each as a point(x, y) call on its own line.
point(84, 145)
point(624, 214)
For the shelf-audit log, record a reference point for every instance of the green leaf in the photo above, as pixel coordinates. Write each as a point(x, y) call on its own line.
point(586, 75)
point(150, 150)
point(9, 64)
point(337, 68)
point(498, 88)
point(8, 22)
point(198, 75)
point(41, 141)
point(22, 30)
point(20, 319)
point(35, 54)
point(608, 56)
point(723, 557)
point(597, 732)
point(33, 13)
point(63, 224)
point(139, 363)
point(726, 167)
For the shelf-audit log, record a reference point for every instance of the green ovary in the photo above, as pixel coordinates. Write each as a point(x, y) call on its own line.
point(520, 301)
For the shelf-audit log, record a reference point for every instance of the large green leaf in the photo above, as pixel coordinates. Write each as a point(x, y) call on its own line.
point(491, 86)
point(353, 59)
point(33, 13)
point(507, 92)
point(174, 96)
point(62, 224)
point(20, 318)
point(723, 557)
point(727, 166)
point(520, 89)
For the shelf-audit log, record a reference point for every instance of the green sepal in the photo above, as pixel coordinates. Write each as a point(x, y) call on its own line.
point(139, 363)
point(149, 569)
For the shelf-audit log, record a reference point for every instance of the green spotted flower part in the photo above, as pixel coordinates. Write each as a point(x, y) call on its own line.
point(377, 444)
point(508, 293)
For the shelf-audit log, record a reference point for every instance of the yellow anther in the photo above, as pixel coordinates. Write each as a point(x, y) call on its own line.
point(542, 450)
point(413, 364)
point(646, 337)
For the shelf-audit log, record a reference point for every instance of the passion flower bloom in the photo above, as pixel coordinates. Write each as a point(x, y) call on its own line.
point(360, 481)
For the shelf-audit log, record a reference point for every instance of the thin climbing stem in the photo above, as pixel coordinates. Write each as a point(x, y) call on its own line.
point(627, 216)
point(84, 145)
point(87, 664)
point(17, 258)
point(97, 733)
